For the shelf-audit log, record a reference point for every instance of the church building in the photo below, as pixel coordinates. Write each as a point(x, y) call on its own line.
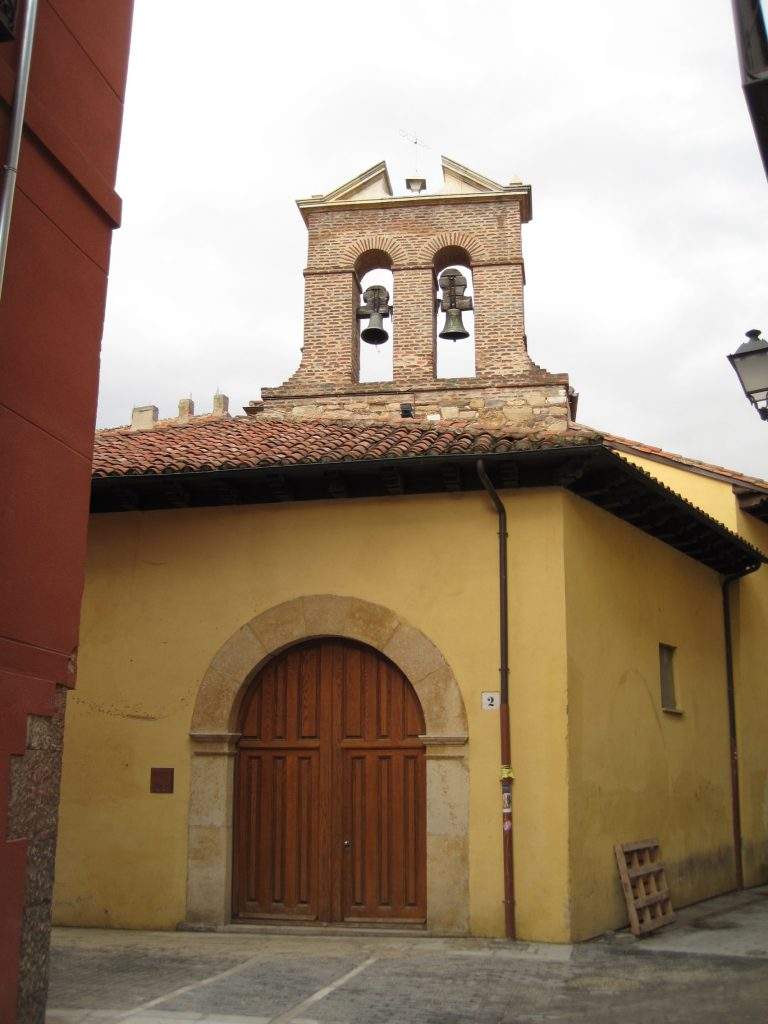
point(415, 652)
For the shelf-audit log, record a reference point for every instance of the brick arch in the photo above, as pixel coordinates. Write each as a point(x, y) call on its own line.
point(214, 738)
point(454, 240)
point(375, 243)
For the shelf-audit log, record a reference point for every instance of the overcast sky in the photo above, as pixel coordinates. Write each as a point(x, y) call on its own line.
point(646, 258)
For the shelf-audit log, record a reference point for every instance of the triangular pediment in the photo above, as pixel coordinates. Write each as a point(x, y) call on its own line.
point(371, 184)
point(460, 180)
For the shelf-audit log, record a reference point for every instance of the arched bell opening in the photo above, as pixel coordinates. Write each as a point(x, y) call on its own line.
point(454, 312)
point(375, 316)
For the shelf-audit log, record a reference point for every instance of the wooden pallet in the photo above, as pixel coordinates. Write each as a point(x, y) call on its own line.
point(644, 882)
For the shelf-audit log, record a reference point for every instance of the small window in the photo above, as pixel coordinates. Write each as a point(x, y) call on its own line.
point(667, 677)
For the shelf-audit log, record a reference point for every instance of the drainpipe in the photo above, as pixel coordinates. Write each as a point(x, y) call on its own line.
point(11, 166)
point(506, 756)
point(735, 788)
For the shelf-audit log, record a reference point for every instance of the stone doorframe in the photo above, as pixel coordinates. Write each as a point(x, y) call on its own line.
point(214, 739)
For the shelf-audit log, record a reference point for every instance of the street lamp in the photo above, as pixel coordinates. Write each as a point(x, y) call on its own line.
point(750, 361)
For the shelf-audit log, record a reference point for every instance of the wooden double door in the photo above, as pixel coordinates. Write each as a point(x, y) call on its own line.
point(330, 794)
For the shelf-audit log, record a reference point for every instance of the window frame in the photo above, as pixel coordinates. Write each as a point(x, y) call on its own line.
point(667, 679)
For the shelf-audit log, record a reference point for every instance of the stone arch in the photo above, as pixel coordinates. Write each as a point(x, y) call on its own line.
point(214, 737)
point(237, 661)
point(454, 240)
point(375, 243)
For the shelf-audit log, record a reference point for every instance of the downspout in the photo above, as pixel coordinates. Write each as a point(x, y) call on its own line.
point(734, 746)
point(11, 166)
point(505, 749)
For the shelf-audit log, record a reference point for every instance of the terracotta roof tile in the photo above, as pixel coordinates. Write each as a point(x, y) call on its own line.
point(652, 451)
point(209, 444)
point(249, 443)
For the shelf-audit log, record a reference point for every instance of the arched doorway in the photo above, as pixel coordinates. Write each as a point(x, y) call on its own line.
point(330, 789)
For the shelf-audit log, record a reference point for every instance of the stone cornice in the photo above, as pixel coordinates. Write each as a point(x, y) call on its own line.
point(515, 193)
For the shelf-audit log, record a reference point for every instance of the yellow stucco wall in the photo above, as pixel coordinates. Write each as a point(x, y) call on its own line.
point(166, 589)
point(750, 656)
point(595, 758)
point(750, 664)
point(636, 771)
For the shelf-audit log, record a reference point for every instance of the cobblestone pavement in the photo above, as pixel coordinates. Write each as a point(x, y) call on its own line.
point(236, 978)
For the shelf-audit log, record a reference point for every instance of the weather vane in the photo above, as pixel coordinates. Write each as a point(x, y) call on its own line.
point(415, 184)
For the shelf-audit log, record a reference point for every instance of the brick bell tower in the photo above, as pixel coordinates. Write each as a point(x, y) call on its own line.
point(361, 226)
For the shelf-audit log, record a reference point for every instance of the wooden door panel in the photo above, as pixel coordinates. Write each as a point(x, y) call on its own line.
point(383, 810)
point(276, 851)
point(284, 704)
point(412, 827)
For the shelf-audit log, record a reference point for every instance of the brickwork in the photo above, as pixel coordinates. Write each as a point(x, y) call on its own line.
point(414, 348)
point(330, 355)
point(499, 326)
point(351, 253)
point(491, 229)
point(417, 237)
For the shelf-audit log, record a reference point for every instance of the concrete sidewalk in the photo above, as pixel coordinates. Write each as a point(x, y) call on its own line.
point(710, 967)
point(732, 925)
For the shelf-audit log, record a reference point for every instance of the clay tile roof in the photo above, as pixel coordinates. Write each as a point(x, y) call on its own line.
point(208, 461)
point(696, 465)
point(210, 444)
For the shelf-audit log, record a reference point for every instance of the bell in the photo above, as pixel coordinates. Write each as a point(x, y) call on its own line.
point(375, 307)
point(453, 285)
point(374, 333)
point(454, 329)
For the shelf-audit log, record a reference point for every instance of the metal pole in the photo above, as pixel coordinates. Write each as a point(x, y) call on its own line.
point(11, 166)
point(504, 740)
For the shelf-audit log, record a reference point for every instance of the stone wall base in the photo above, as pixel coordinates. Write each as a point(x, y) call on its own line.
point(542, 408)
point(33, 817)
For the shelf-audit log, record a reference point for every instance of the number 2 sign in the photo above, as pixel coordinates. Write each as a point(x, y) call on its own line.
point(490, 700)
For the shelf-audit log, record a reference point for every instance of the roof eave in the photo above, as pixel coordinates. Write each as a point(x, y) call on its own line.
point(675, 461)
point(589, 470)
point(752, 501)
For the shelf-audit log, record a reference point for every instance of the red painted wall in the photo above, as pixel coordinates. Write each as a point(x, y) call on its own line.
point(51, 317)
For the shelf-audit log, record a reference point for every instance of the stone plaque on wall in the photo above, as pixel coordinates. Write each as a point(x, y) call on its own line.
point(161, 780)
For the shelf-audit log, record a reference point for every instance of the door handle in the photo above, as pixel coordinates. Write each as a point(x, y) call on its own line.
point(347, 843)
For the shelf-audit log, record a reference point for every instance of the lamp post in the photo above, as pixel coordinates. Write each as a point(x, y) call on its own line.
point(750, 361)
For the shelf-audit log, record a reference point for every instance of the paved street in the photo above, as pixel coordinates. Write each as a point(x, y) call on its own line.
point(712, 966)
